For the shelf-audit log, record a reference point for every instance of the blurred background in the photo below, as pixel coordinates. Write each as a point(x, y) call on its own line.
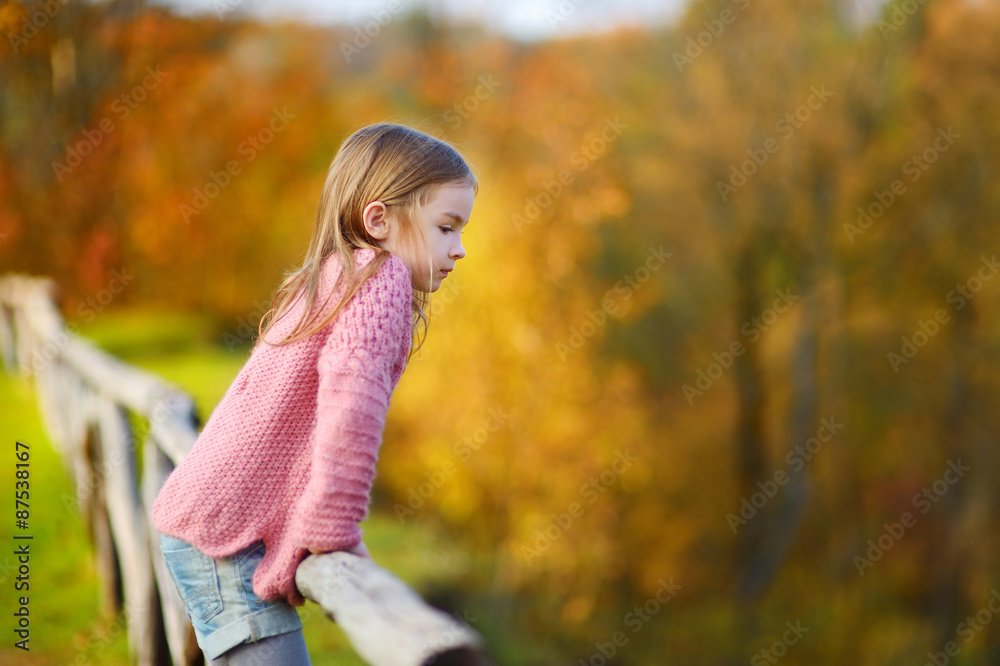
point(712, 385)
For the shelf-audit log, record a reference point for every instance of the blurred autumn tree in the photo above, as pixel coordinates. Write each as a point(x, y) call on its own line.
point(613, 374)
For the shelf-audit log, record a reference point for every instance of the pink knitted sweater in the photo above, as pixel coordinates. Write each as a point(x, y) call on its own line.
point(288, 455)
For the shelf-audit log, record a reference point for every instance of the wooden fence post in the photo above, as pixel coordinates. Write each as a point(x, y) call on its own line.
point(84, 395)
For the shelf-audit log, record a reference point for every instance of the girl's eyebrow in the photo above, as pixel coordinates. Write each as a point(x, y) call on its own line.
point(455, 216)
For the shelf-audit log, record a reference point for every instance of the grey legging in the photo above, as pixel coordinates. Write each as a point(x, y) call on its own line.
point(287, 649)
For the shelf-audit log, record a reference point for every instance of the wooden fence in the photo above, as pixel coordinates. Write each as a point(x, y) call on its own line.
point(85, 397)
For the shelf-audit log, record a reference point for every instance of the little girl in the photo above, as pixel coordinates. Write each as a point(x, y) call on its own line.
point(285, 463)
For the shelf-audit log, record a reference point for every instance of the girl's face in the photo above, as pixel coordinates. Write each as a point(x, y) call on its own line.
point(440, 221)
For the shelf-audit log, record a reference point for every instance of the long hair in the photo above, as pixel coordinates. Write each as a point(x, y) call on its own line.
point(394, 164)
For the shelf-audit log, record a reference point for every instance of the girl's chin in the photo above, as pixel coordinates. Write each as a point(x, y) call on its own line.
point(434, 285)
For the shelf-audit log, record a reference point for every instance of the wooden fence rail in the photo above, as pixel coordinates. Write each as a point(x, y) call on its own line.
point(85, 396)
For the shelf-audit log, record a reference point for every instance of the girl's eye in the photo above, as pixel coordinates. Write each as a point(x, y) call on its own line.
point(445, 229)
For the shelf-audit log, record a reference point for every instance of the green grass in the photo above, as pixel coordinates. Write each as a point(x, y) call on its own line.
point(63, 597)
point(66, 622)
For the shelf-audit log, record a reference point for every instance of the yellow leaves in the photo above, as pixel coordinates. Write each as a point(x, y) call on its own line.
point(549, 485)
point(10, 229)
point(560, 261)
point(577, 609)
point(98, 256)
point(613, 200)
point(11, 16)
point(526, 338)
point(585, 213)
point(153, 238)
point(603, 200)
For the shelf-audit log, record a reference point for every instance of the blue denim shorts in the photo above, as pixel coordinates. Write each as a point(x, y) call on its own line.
point(219, 598)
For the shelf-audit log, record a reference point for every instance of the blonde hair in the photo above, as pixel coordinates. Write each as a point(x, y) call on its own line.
point(394, 164)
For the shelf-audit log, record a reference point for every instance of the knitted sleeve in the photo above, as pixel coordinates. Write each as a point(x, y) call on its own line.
point(370, 336)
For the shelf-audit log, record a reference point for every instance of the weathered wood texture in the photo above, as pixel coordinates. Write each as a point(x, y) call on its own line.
point(386, 621)
point(85, 396)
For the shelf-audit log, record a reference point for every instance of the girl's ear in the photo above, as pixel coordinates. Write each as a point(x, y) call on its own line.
point(376, 220)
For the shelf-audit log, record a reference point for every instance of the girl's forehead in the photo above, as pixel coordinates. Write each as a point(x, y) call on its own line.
point(456, 197)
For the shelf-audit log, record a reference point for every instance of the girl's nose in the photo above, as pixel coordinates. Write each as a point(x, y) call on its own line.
point(457, 251)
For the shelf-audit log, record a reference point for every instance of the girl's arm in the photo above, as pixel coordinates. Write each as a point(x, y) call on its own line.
point(361, 550)
point(369, 337)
